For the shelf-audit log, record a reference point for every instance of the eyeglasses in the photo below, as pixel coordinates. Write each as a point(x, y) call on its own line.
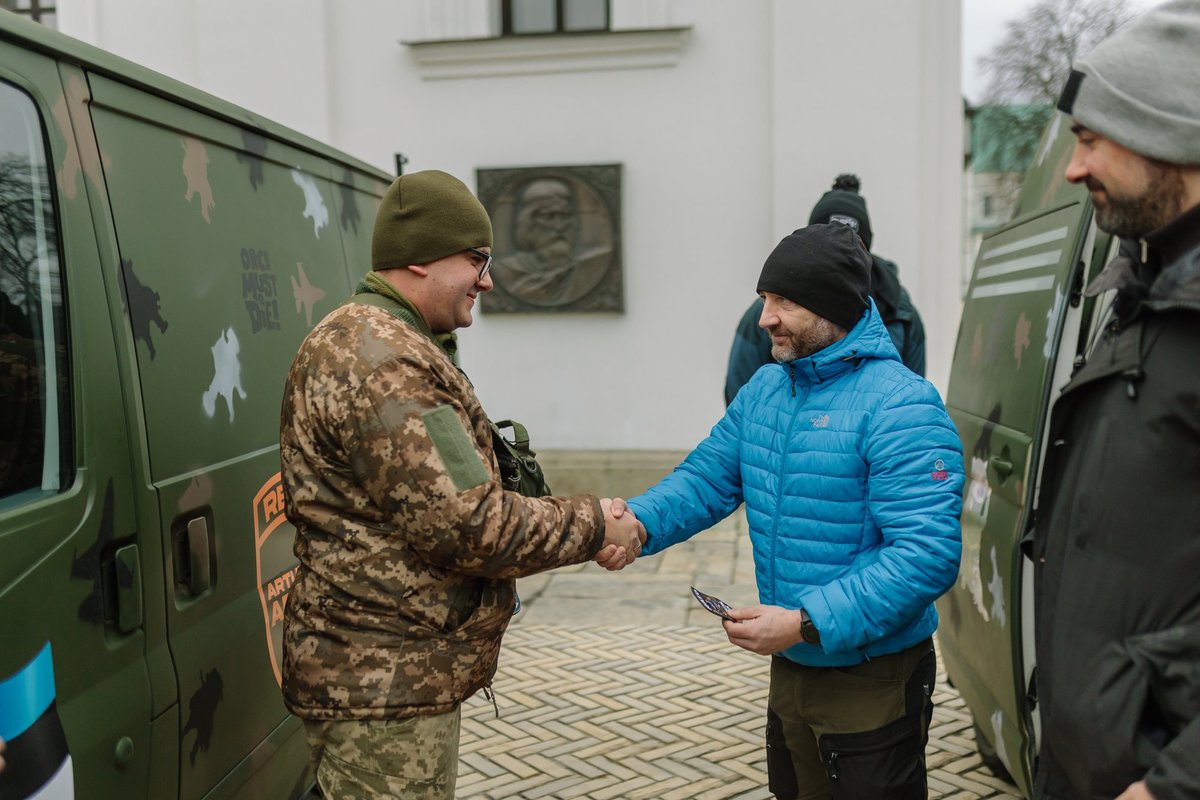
point(487, 261)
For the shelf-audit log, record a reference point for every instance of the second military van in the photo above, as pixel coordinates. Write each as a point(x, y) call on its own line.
point(1025, 322)
point(162, 255)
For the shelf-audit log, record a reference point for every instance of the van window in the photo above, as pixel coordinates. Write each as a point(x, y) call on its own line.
point(33, 357)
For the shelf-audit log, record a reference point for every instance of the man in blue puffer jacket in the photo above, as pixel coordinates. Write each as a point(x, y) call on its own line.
point(852, 476)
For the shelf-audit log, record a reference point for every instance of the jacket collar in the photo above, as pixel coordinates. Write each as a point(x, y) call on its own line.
point(403, 309)
point(1159, 271)
point(868, 339)
point(1178, 237)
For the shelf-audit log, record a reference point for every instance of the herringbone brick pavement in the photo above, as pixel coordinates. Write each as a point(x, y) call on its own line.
point(652, 712)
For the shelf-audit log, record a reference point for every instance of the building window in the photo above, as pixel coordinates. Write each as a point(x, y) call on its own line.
point(522, 17)
point(42, 11)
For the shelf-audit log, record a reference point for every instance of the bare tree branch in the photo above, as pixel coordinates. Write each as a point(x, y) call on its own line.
point(1030, 64)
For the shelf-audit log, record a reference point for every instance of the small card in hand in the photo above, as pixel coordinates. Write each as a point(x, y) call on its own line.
point(714, 604)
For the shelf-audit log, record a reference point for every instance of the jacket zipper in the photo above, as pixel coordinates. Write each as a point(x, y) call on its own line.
point(779, 493)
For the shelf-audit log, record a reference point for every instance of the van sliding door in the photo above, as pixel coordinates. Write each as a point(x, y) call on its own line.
point(230, 249)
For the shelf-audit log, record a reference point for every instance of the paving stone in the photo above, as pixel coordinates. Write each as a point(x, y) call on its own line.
point(620, 686)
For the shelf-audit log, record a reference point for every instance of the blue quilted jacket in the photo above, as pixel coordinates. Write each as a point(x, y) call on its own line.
point(852, 476)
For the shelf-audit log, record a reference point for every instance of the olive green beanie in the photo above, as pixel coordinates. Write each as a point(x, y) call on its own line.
point(425, 216)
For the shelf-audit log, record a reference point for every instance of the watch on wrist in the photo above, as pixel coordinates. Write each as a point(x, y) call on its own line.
point(808, 631)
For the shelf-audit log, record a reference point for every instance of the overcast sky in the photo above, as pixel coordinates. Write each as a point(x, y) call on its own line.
point(983, 26)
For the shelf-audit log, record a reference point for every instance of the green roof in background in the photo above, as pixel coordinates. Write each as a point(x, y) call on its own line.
point(1005, 138)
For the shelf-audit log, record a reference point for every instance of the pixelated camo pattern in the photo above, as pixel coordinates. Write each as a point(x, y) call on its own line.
point(409, 547)
point(414, 758)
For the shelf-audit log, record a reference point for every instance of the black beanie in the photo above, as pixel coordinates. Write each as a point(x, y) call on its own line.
point(823, 268)
point(844, 200)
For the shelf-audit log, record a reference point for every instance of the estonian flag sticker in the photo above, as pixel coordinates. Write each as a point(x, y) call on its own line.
point(37, 763)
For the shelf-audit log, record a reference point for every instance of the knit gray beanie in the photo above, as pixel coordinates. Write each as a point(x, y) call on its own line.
point(1139, 87)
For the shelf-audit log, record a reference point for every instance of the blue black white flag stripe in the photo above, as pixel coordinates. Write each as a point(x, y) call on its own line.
point(37, 762)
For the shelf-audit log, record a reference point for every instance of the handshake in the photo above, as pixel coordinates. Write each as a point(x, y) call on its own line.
point(623, 535)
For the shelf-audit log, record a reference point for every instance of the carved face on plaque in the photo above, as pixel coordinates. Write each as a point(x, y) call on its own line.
point(556, 240)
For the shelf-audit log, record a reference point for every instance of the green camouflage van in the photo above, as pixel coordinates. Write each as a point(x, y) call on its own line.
point(162, 254)
point(1024, 322)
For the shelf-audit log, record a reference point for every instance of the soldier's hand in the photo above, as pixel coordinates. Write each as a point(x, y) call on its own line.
point(623, 535)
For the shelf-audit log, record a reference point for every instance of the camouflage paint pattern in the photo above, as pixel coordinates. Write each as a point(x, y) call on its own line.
point(408, 544)
point(59, 580)
point(180, 223)
point(1000, 383)
point(415, 758)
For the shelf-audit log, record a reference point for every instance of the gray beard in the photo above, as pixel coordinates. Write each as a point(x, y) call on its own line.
point(804, 344)
point(1134, 217)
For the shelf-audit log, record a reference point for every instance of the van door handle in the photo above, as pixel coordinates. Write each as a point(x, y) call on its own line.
point(1003, 467)
point(199, 577)
point(128, 578)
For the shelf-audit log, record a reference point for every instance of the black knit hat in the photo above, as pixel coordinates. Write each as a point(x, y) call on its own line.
point(823, 268)
point(844, 201)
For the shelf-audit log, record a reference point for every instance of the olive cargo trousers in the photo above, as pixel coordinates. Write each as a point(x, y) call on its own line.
point(851, 733)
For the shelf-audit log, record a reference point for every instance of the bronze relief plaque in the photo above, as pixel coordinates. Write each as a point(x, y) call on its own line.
point(557, 238)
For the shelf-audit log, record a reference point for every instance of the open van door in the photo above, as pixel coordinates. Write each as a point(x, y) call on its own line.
point(1019, 334)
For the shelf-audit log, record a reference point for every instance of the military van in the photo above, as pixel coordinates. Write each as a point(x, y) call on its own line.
point(1025, 321)
point(162, 255)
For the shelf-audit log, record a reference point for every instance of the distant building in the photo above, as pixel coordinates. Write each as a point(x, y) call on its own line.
point(1002, 140)
point(42, 11)
point(728, 121)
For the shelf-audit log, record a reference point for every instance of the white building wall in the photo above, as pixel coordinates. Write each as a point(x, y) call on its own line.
point(723, 154)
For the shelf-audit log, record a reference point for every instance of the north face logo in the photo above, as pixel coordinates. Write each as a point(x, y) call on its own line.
point(821, 421)
point(939, 471)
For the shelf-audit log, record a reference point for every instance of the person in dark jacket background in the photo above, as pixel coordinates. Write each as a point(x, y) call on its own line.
point(752, 345)
point(1116, 550)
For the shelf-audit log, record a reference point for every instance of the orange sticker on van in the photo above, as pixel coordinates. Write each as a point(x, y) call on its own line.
point(275, 564)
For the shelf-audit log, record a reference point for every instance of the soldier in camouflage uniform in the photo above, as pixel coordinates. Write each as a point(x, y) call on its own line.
point(409, 546)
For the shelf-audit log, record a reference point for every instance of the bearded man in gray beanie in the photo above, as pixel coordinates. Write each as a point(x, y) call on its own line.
point(1116, 549)
point(408, 540)
point(851, 472)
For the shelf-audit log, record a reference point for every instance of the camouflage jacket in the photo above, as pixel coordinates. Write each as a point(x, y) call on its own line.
point(408, 545)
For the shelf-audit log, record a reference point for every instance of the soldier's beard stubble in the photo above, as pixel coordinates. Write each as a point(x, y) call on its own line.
point(1133, 217)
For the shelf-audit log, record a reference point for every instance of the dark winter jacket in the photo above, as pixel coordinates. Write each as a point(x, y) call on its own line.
point(752, 345)
point(1117, 546)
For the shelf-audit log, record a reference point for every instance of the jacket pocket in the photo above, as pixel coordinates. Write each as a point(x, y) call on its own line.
point(464, 600)
point(1143, 691)
point(886, 762)
point(1169, 660)
point(781, 772)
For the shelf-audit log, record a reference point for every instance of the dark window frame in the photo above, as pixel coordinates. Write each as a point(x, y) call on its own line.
point(37, 9)
point(62, 380)
point(506, 21)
